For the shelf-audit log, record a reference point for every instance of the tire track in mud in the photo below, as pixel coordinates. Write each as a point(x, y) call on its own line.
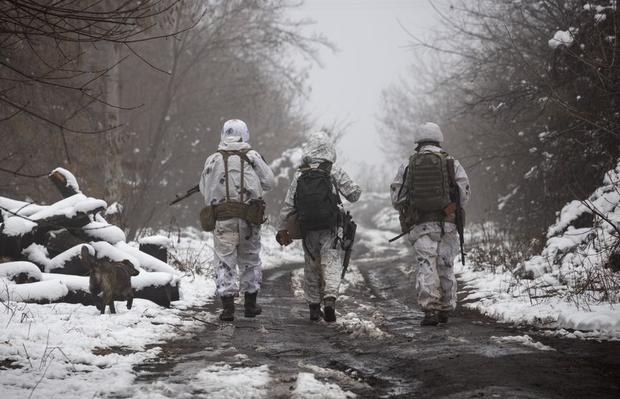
point(377, 348)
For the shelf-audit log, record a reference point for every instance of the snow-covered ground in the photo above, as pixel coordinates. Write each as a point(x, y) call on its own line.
point(70, 350)
point(571, 286)
point(546, 290)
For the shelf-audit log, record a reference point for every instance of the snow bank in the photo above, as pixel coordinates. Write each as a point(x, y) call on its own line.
point(569, 284)
point(10, 270)
point(72, 351)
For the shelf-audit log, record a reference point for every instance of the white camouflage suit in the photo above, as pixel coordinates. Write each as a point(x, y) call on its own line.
point(321, 274)
point(434, 253)
point(236, 242)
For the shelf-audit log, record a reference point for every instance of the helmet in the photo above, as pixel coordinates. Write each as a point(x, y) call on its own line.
point(235, 130)
point(429, 131)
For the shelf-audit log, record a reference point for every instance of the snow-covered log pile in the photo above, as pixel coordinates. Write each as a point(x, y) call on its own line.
point(40, 249)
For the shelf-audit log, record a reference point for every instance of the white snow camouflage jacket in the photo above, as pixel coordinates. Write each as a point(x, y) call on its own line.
point(258, 177)
point(399, 192)
point(318, 149)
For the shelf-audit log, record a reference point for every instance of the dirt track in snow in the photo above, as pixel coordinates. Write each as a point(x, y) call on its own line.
point(392, 356)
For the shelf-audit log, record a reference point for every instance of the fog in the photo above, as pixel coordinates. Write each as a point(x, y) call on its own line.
point(372, 52)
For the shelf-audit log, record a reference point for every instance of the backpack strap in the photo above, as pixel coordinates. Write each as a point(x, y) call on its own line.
point(243, 156)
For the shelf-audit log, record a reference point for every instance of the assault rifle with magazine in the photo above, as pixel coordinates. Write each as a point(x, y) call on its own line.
point(349, 228)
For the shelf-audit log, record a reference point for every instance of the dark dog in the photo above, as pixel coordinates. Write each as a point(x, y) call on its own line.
point(109, 281)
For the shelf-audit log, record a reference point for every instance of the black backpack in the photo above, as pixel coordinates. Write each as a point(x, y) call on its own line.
point(317, 199)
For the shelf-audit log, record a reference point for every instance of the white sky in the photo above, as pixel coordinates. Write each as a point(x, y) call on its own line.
point(371, 55)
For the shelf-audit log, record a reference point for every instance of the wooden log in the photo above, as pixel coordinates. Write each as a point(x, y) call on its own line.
point(156, 251)
point(64, 182)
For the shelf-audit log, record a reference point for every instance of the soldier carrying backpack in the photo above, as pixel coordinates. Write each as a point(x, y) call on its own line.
point(314, 200)
point(429, 191)
point(232, 182)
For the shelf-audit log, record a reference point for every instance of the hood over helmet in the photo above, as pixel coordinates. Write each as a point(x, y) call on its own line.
point(235, 130)
point(429, 131)
point(319, 147)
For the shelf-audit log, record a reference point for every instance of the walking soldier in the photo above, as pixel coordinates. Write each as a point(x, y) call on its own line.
point(314, 200)
point(233, 181)
point(429, 191)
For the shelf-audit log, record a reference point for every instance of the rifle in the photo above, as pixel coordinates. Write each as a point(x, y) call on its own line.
point(189, 192)
point(400, 235)
point(459, 213)
point(349, 228)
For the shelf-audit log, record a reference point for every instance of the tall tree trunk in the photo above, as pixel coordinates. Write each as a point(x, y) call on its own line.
point(113, 149)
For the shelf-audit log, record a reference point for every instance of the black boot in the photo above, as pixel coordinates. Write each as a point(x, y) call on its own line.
point(330, 309)
point(315, 312)
point(442, 316)
point(251, 308)
point(430, 319)
point(228, 308)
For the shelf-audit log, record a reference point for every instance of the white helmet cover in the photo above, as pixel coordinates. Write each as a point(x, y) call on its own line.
point(319, 146)
point(235, 130)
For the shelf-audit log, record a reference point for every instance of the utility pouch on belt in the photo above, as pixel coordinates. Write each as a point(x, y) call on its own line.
point(207, 218)
point(293, 226)
point(255, 211)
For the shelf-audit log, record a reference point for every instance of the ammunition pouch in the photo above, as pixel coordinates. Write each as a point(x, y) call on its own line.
point(207, 218)
point(253, 212)
point(406, 218)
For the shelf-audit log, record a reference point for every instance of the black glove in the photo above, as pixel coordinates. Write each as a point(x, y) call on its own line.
point(283, 238)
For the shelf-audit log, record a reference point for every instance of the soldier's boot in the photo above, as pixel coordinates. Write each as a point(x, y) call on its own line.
point(442, 316)
point(330, 309)
point(228, 308)
point(430, 319)
point(250, 306)
point(315, 312)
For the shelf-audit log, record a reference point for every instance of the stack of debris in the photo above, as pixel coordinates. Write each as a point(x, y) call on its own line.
point(40, 249)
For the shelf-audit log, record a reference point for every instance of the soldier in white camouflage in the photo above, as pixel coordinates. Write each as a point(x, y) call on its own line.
point(322, 251)
point(432, 233)
point(236, 174)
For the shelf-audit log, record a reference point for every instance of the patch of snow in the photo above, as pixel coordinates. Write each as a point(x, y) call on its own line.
point(226, 382)
point(562, 38)
point(145, 260)
point(17, 226)
point(114, 209)
point(69, 177)
point(158, 240)
point(524, 340)
point(104, 232)
point(308, 387)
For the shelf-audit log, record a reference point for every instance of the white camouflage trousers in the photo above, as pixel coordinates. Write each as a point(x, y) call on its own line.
point(237, 243)
point(321, 274)
point(434, 258)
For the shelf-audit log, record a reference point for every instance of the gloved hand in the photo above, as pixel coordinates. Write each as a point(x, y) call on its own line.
point(449, 209)
point(283, 238)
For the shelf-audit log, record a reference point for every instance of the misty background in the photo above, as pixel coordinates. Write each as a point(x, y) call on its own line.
point(131, 97)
